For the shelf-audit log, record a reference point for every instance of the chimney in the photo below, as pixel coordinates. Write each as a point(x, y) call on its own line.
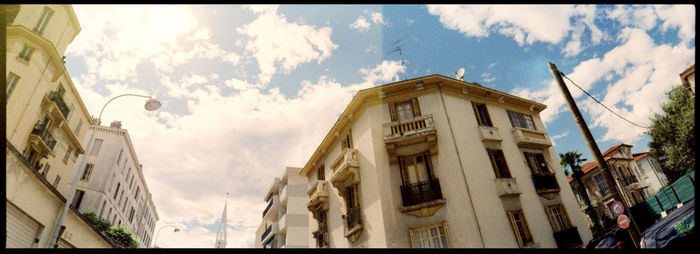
point(116, 124)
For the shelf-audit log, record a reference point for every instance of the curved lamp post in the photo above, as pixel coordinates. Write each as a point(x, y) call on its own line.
point(151, 105)
point(161, 228)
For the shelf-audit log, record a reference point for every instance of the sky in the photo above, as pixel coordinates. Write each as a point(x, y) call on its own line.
point(250, 90)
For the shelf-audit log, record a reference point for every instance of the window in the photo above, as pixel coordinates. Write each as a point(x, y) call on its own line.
point(96, 147)
point(498, 162)
point(26, 53)
point(70, 112)
point(131, 182)
point(521, 120)
point(482, 114)
point(415, 169)
point(536, 162)
point(404, 110)
point(65, 157)
point(131, 215)
point(78, 199)
point(55, 181)
point(102, 208)
point(116, 191)
point(87, 173)
point(43, 20)
point(45, 170)
point(623, 178)
point(433, 236)
point(347, 141)
point(124, 205)
point(601, 184)
point(12, 80)
point(137, 192)
point(321, 173)
point(120, 156)
point(80, 125)
point(522, 231)
point(558, 217)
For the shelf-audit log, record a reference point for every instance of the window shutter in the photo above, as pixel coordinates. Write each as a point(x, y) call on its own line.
point(392, 112)
point(416, 109)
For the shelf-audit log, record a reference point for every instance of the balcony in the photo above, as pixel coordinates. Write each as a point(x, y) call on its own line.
point(531, 138)
point(353, 224)
point(568, 238)
point(506, 187)
point(56, 98)
point(272, 210)
point(269, 233)
point(318, 194)
point(414, 194)
point(489, 133)
point(345, 168)
point(407, 132)
point(42, 141)
point(283, 196)
point(545, 184)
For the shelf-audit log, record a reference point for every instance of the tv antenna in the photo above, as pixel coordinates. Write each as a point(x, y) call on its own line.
point(460, 74)
point(397, 47)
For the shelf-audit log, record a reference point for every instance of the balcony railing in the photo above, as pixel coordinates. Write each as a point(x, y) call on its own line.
point(268, 208)
point(568, 238)
point(352, 219)
point(318, 193)
point(531, 138)
point(45, 136)
point(545, 182)
point(56, 97)
point(415, 126)
point(421, 192)
point(267, 232)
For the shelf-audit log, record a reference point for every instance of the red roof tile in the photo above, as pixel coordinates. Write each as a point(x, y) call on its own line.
point(638, 156)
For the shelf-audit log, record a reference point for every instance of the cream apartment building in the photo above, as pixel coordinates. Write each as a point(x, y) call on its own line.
point(285, 219)
point(112, 184)
point(46, 121)
point(438, 162)
point(625, 175)
point(651, 172)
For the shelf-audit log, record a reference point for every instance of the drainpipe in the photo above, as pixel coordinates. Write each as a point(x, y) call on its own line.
point(461, 167)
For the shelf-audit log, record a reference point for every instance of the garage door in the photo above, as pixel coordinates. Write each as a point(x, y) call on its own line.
point(62, 244)
point(20, 230)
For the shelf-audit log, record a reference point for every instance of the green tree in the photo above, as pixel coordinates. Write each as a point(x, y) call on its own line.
point(101, 224)
point(573, 160)
point(673, 133)
point(123, 236)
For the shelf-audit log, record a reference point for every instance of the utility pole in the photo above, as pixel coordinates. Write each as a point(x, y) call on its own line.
point(633, 230)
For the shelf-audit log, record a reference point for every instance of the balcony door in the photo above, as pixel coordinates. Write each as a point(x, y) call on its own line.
point(415, 169)
point(404, 110)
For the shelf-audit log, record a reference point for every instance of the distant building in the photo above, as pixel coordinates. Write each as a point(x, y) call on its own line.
point(625, 175)
point(285, 219)
point(688, 79)
point(46, 122)
point(651, 171)
point(112, 184)
point(436, 162)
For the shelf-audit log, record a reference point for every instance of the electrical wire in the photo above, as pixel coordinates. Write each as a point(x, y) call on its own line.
point(589, 95)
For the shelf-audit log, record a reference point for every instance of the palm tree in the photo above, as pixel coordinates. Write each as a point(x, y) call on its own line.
point(573, 160)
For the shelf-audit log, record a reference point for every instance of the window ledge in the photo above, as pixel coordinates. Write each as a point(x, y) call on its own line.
point(21, 60)
point(424, 209)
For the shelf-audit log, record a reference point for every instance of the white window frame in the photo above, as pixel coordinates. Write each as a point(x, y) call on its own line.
point(43, 21)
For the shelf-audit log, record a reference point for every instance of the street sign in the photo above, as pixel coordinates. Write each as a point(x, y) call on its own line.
point(623, 221)
point(617, 208)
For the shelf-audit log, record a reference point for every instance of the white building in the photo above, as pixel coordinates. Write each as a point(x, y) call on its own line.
point(651, 172)
point(438, 162)
point(285, 219)
point(113, 186)
point(46, 122)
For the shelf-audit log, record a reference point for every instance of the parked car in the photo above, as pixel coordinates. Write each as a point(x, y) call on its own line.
point(676, 230)
point(616, 238)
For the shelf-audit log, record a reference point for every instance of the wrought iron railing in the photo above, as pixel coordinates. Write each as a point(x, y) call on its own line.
point(56, 97)
point(545, 181)
point(568, 238)
point(352, 218)
point(421, 192)
point(45, 135)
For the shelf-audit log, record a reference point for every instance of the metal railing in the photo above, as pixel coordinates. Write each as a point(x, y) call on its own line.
point(56, 97)
point(352, 218)
point(45, 135)
point(568, 238)
point(421, 192)
point(545, 181)
point(268, 208)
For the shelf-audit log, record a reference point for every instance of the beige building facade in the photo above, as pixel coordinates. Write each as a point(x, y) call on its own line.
point(285, 219)
point(46, 121)
point(438, 162)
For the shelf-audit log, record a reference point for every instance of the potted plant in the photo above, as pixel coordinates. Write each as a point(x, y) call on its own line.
point(320, 231)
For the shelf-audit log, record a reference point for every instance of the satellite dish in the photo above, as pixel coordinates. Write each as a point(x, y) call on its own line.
point(460, 74)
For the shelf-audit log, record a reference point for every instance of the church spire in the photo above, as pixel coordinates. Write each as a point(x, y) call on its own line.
point(221, 235)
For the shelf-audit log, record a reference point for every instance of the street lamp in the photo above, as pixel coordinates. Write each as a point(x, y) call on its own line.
point(161, 228)
point(151, 105)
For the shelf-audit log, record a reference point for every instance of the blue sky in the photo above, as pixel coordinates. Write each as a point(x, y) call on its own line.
point(249, 90)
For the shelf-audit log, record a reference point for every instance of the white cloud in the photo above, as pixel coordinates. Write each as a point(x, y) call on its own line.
point(360, 24)
point(487, 77)
point(377, 18)
point(275, 41)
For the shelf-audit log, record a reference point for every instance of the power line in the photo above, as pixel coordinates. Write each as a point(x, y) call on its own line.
point(589, 95)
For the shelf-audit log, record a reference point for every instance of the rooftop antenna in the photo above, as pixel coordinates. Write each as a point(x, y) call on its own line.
point(397, 47)
point(460, 74)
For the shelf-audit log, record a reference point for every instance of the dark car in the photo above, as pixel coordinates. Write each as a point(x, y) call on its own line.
point(614, 239)
point(676, 230)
